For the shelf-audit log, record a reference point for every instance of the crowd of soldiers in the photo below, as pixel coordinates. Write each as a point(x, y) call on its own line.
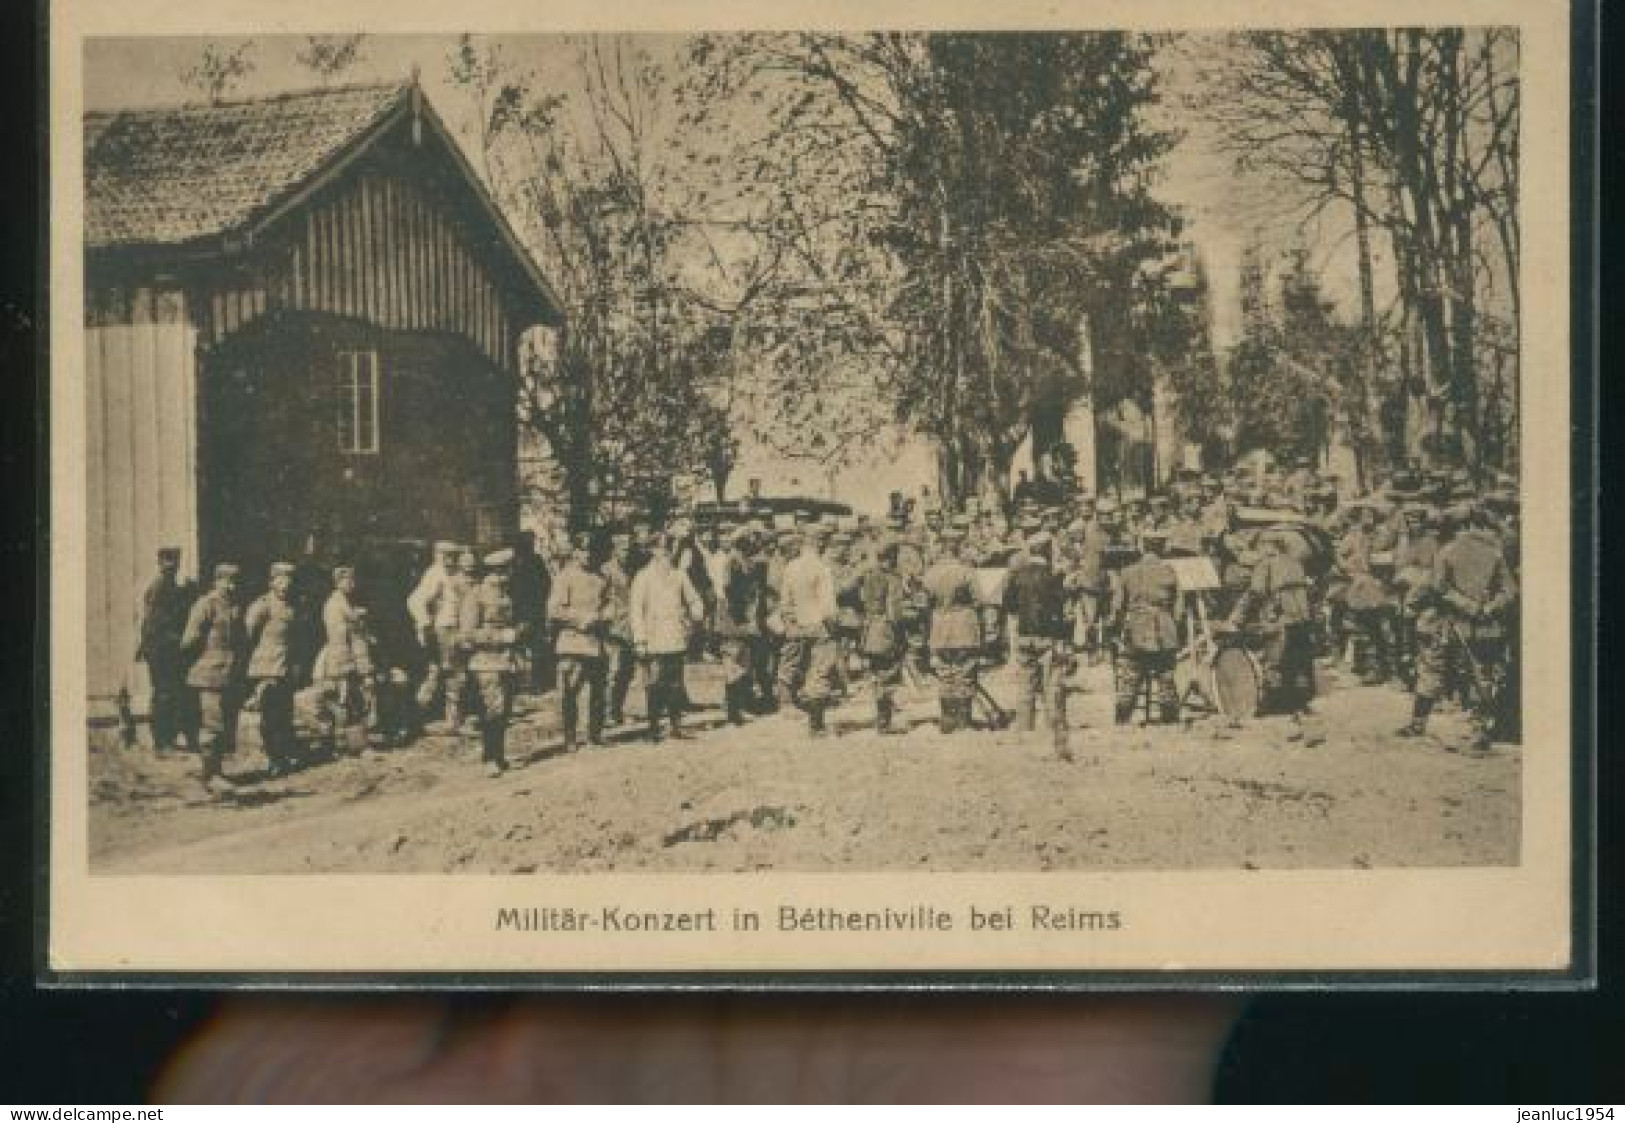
point(1414, 578)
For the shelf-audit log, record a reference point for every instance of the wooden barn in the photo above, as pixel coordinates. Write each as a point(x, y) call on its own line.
point(303, 317)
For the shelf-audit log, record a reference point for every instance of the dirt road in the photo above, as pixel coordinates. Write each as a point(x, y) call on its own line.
point(767, 797)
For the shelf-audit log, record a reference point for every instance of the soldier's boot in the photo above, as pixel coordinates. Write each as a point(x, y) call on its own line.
point(652, 701)
point(212, 776)
point(1027, 715)
point(1418, 725)
point(496, 759)
point(886, 717)
point(815, 719)
point(736, 709)
point(571, 720)
point(966, 718)
point(948, 722)
point(1061, 738)
point(677, 704)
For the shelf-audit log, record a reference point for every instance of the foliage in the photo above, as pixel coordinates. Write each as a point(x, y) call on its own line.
point(949, 208)
point(221, 67)
point(630, 404)
point(330, 55)
point(1415, 133)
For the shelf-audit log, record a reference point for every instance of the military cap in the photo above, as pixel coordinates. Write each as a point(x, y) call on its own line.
point(467, 559)
point(741, 535)
point(1106, 506)
point(1153, 534)
point(169, 553)
point(1039, 541)
point(681, 527)
point(226, 569)
point(1382, 558)
point(953, 534)
point(496, 559)
point(1457, 514)
point(577, 542)
point(282, 569)
point(340, 572)
point(1504, 498)
point(620, 539)
point(441, 549)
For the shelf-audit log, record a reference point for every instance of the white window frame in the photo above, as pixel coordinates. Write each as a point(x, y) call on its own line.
point(352, 366)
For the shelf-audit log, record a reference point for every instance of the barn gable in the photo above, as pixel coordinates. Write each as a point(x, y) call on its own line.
point(354, 201)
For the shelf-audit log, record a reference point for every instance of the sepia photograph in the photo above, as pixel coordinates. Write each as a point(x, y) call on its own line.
point(933, 451)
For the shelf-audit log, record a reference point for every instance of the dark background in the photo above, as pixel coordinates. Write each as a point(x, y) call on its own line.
point(106, 1047)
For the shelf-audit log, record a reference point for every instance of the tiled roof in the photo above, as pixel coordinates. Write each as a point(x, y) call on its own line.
point(168, 176)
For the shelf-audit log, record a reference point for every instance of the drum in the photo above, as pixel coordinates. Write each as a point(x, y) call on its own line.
point(1238, 683)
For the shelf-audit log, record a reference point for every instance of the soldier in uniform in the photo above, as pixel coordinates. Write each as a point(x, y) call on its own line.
point(1277, 597)
point(531, 587)
point(808, 613)
point(1413, 571)
point(955, 637)
point(271, 624)
point(1035, 598)
point(1143, 604)
point(491, 634)
point(740, 610)
point(883, 607)
point(666, 611)
point(1463, 631)
point(433, 608)
point(347, 659)
point(844, 573)
point(215, 642)
point(620, 661)
point(1086, 580)
point(580, 604)
point(165, 604)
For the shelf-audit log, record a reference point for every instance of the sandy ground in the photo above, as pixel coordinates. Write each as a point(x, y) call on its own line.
point(768, 797)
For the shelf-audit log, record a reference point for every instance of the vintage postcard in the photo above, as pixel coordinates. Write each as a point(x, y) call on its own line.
point(993, 494)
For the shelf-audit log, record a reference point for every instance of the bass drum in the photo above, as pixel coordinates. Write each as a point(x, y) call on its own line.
point(1238, 683)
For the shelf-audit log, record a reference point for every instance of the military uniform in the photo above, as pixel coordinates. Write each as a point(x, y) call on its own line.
point(215, 640)
point(1463, 631)
point(346, 660)
point(1278, 597)
point(489, 631)
point(882, 598)
point(1143, 605)
point(433, 606)
point(580, 604)
point(955, 636)
point(1035, 598)
point(807, 660)
point(165, 604)
point(620, 659)
point(272, 625)
point(740, 610)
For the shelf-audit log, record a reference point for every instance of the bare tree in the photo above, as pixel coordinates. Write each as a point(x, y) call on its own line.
point(221, 67)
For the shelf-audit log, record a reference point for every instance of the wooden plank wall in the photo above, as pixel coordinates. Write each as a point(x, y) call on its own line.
point(141, 473)
point(381, 250)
